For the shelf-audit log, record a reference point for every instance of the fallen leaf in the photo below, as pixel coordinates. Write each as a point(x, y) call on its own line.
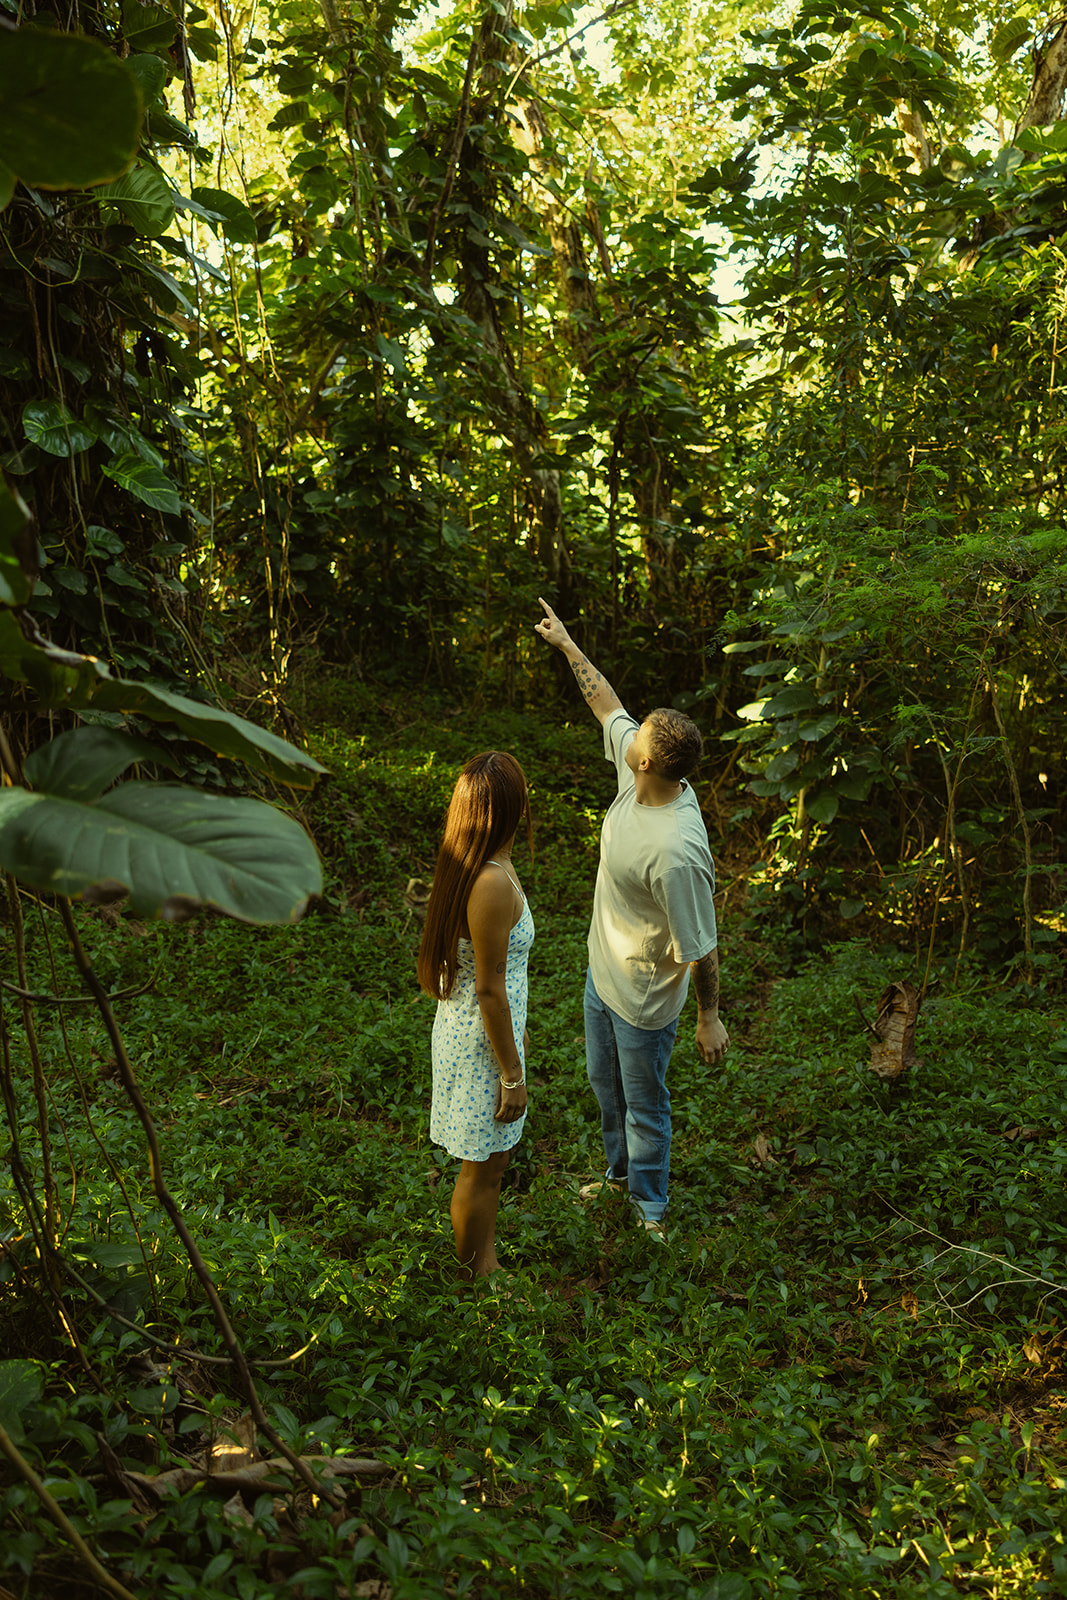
point(910, 1303)
point(235, 1447)
point(417, 896)
point(762, 1152)
point(893, 1052)
point(237, 1513)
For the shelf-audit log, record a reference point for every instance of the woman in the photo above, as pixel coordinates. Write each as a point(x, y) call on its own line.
point(472, 960)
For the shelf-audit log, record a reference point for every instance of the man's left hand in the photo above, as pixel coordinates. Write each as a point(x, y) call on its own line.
point(713, 1041)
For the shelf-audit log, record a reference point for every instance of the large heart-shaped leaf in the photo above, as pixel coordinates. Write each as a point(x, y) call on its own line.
point(81, 763)
point(61, 677)
point(171, 849)
point(70, 112)
point(151, 75)
point(145, 199)
point(233, 216)
point(53, 426)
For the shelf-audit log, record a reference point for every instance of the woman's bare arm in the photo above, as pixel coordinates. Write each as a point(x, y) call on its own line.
point(491, 914)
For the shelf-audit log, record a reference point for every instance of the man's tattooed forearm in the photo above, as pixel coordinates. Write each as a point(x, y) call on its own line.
point(706, 983)
point(589, 679)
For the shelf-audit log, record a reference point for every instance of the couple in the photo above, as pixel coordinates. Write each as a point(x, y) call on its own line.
point(653, 923)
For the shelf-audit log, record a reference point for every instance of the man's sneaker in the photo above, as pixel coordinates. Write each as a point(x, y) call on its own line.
point(655, 1229)
point(593, 1191)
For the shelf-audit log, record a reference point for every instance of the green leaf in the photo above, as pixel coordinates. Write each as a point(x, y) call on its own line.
point(392, 353)
point(16, 586)
point(73, 579)
point(62, 677)
point(173, 850)
point(172, 288)
point(822, 806)
point(148, 27)
point(153, 1401)
point(81, 763)
point(145, 199)
point(290, 116)
point(237, 221)
point(149, 483)
point(1011, 36)
point(163, 129)
point(788, 701)
point(763, 669)
point(818, 729)
point(853, 785)
point(108, 1256)
point(102, 543)
point(53, 426)
point(21, 1385)
point(151, 76)
point(124, 577)
point(783, 765)
point(729, 1585)
point(70, 112)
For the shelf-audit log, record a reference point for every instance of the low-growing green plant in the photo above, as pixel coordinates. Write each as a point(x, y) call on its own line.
point(839, 1379)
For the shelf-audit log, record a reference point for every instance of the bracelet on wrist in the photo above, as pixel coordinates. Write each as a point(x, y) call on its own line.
point(520, 1083)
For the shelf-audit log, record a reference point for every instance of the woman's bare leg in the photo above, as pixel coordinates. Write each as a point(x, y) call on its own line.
point(474, 1205)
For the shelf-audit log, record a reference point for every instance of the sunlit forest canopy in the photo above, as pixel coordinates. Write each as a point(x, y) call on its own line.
point(735, 330)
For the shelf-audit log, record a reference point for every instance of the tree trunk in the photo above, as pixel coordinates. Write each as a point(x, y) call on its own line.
point(1050, 80)
point(914, 131)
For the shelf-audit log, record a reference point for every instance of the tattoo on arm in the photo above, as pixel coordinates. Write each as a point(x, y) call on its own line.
point(501, 966)
point(706, 983)
point(589, 679)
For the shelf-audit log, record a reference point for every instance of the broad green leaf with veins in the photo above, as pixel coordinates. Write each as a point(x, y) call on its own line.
point(171, 850)
point(70, 112)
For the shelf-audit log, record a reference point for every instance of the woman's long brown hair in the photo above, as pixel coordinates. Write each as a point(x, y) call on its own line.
point(488, 803)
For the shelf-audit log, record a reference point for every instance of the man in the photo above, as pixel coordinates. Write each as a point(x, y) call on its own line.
point(653, 924)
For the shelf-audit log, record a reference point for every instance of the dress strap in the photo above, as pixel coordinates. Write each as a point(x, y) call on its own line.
point(507, 874)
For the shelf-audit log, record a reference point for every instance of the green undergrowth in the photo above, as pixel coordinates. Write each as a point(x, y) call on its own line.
point(842, 1377)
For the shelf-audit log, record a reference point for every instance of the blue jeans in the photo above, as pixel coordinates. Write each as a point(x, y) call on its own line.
point(627, 1069)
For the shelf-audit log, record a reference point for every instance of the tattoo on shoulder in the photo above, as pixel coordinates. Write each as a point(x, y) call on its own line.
point(589, 679)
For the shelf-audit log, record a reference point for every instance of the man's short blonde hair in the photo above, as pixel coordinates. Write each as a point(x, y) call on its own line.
point(674, 743)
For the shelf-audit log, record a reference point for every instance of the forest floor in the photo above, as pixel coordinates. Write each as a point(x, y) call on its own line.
point(841, 1377)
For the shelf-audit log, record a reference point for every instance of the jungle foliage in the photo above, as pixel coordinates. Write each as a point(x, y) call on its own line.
point(740, 341)
point(330, 337)
point(842, 1377)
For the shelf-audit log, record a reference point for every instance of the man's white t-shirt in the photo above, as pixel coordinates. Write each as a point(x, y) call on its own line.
point(654, 907)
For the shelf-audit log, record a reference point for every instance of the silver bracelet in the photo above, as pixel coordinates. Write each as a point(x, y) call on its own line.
point(520, 1083)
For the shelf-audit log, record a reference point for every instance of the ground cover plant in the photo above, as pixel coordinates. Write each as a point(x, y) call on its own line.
point(842, 1377)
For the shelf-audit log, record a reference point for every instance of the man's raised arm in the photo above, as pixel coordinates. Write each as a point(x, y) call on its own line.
point(600, 696)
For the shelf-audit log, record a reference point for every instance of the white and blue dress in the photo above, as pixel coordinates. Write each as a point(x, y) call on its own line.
point(465, 1069)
